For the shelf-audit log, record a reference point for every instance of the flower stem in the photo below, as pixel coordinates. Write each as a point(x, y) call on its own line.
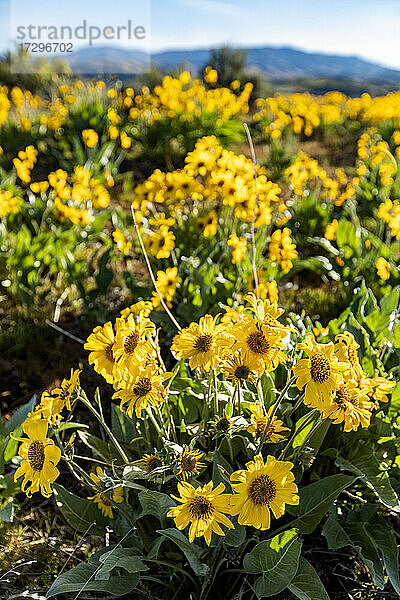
point(86, 402)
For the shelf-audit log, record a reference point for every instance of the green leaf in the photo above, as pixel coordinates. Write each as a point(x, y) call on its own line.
point(193, 552)
point(304, 431)
point(122, 426)
point(123, 558)
point(335, 534)
point(316, 499)
point(235, 537)
point(100, 448)
point(306, 584)
point(365, 547)
point(348, 239)
point(155, 503)
point(385, 541)
point(83, 579)
point(18, 417)
point(363, 462)
point(7, 511)
point(277, 559)
point(79, 512)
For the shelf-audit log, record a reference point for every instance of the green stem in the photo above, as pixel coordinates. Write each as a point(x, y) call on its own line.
point(215, 392)
point(311, 432)
point(83, 397)
point(296, 432)
point(171, 421)
point(274, 411)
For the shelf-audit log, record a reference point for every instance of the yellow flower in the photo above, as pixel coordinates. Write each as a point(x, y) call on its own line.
point(167, 281)
point(203, 507)
point(318, 373)
point(131, 344)
point(121, 242)
point(330, 231)
point(151, 462)
point(208, 225)
point(103, 495)
point(350, 405)
point(189, 463)
point(203, 343)
point(232, 315)
point(263, 487)
point(268, 313)
point(63, 395)
point(39, 458)
point(383, 268)
point(346, 350)
point(259, 422)
point(222, 424)
point(143, 306)
point(282, 250)
point(240, 368)
point(210, 75)
point(125, 140)
point(90, 138)
point(238, 246)
point(272, 288)
point(100, 344)
point(263, 349)
point(142, 387)
point(381, 387)
point(161, 243)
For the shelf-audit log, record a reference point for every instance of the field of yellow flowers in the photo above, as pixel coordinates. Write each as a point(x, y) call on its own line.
point(200, 330)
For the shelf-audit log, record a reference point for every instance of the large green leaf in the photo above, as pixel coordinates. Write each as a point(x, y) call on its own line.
point(192, 552)
point(277, 559)
point(306, 584)
point(121, 425)
point(122, 558)
point(302, 432)
point(335, 534)
point(348, 239)
point(385, 541)
point(83, 579)
point(155, 503)
point(363, 462)
point(101, 449)
point(366, 548)
point(17, 418)
point(356, 534)
point(316, 499)
point(81, 514)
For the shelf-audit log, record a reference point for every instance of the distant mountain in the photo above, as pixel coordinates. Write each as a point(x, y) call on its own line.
point(274, 63)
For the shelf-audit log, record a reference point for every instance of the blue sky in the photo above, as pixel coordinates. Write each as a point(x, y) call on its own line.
point(367, 28)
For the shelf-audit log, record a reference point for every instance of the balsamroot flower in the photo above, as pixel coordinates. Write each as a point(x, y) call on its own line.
point(39, 459)
point(318, 373)
point(103, 496)
point(261, 488)
point(204, 507)
point(203, 343)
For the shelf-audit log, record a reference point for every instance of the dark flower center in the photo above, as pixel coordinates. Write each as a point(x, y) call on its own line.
point(131, 342)
point(109, 352)
point(343, 397)
point(188, 462)
point(242, 372)
point(154, 463)
point(258, 343)
point(36, 455)
point(203, 343)
point(262, 490)
point(223, 424)
point(143, 386)
point(201, 508)
point(320, 367)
